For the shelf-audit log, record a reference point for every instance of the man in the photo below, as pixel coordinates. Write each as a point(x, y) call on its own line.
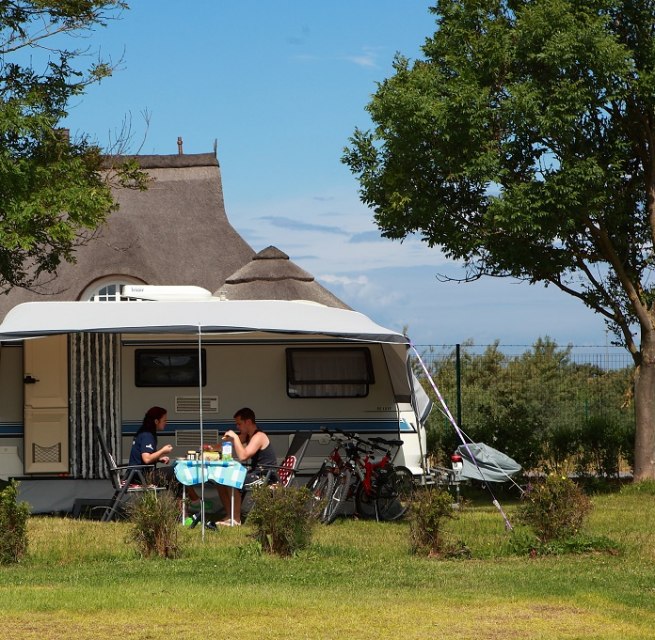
point(248, 444)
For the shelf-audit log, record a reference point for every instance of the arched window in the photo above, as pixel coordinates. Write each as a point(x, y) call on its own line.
point(108, 289)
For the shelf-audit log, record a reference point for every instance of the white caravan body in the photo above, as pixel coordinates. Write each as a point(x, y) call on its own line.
point(299, 366)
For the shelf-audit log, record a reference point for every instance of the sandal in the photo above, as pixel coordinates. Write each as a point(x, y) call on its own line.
point(228, 523)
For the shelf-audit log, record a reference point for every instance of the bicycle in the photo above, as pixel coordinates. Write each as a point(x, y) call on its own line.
point(321, 484)
point(381, 489)
point(384, 490)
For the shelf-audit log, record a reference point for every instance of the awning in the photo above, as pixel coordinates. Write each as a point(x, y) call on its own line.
point(33, 319)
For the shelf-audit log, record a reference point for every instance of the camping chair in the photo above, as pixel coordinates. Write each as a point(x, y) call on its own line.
point(126, 480)
point(285, 472)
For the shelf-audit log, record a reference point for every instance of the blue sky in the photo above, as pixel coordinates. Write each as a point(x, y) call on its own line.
point(281, 86)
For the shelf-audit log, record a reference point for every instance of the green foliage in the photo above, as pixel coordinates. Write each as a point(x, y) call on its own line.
point(554, 509)
point(283, 519)
point(431, 508)
point(509, 144)
point(52, 191)
point(604, 443)
point(155, 520)
point(13, 525)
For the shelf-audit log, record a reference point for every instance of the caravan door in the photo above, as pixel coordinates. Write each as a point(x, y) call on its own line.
point(45, 378)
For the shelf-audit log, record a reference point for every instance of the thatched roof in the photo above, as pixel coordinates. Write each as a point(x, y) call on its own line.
point(270, 275)
point(175, 233)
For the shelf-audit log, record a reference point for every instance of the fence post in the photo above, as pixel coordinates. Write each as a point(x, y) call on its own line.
point(458, 384)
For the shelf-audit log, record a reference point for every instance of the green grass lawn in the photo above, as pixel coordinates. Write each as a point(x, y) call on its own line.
point(358, 580)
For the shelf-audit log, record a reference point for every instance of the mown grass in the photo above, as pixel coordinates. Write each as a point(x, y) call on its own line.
point(358, 579)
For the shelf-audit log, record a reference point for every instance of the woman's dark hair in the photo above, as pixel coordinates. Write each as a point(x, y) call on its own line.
point(154, 413)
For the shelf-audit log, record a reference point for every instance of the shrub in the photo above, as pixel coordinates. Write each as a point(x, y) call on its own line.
point(554, 509)
point(155, 524)
point(605, 442)
point(283, 518)
point(431, 507)
point(13, 525)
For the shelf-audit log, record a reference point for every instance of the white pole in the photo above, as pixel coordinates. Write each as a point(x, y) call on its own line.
point(202, 439)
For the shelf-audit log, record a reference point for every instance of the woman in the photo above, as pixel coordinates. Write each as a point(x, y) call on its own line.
point(249, 443)
point(144, 446)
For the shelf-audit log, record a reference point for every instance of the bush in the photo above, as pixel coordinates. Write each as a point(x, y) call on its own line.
point(554, 509)
point(155, 517)
point(430, 508)
point(283, 518)
point(605, 442)
point(13, 525)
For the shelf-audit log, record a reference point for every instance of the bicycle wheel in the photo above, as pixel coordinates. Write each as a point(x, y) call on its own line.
point(321, 490)
point(395, 494)
point(365, 502)
point(337, 500)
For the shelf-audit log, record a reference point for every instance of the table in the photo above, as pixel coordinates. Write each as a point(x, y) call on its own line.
point(226, 472)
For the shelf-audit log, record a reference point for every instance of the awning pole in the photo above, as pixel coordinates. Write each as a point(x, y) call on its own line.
point(202, 433)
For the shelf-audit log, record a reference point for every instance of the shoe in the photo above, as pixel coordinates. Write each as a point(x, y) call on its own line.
point(194, 520)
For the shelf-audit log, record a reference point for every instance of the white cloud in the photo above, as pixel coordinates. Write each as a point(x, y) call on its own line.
point(364, 60)
point(360, 290)
point(332, 232)
point(344, 281)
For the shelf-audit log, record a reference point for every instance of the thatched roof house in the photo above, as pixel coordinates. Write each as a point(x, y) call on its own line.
point(175, 233)
point(271, 275)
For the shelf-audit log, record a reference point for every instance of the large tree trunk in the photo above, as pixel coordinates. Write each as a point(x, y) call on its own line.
point(645, 409)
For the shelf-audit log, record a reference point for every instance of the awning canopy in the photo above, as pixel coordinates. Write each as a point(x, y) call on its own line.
point(33, 319)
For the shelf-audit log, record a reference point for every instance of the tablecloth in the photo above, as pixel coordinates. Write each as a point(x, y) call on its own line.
point(231, 474)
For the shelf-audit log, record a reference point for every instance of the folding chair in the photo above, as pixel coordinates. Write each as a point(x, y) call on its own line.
point(126, 480)
point(285, 472)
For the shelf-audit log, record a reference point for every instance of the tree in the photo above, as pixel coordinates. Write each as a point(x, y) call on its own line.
point(523, 145)
point(53, 193)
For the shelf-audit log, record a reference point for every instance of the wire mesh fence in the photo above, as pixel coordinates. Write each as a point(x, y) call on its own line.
point(542, 404)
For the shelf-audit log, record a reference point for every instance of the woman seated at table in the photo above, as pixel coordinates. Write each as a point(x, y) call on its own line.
point(145, 449)
point(250, 443)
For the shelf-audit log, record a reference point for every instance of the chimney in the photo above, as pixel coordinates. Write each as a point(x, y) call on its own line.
point(180, 151)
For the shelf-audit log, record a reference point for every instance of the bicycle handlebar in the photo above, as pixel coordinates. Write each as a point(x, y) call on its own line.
point(381, 444)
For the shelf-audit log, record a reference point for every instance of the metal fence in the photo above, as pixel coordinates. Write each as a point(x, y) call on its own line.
point(520, 396)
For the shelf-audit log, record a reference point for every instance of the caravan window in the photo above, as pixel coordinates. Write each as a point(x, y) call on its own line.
point(329, 372)
point(168, 368)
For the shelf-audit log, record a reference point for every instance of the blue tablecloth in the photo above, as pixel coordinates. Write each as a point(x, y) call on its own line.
point(230, 474)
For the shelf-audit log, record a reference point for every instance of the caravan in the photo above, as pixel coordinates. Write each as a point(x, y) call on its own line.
point(67, 367)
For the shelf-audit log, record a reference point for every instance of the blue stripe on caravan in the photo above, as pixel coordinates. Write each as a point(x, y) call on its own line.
point(9, 429)
point(287, 426)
